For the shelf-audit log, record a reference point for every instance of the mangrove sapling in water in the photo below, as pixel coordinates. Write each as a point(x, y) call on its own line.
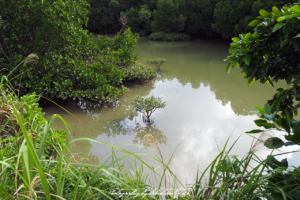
point(148, 105)
point(157, 62)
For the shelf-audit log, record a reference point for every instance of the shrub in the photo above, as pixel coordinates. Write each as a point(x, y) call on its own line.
point(169, 36)
point(157, 62)
point(167, 17)
point(148, 105)
point(138, 71)
point(71, 64)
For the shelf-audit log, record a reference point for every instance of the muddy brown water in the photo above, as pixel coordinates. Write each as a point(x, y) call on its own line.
point(205, 106)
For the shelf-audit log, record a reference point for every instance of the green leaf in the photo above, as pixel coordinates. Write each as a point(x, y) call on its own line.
point(295, 8)
point(254, 22)
point(263, 13)
point(235, 39)
point(247, 36)
point(288, 116)
point(278, 26)
point(246, 60)
point(250, 81)
point(255, 131)
point(260, 110)
point(236, 64)
point(264, 123)
point(286, 125)
point(234, 46)
point(273, 143)
point(275, 10)
point(228, 68)
point(280, 19)
point(274, 164)
point(297, 81)
point(298, 35)
point(267, 108)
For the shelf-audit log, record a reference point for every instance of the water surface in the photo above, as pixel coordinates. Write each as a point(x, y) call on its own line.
point(205, 106)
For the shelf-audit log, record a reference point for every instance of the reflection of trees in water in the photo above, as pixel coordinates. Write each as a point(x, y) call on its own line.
point(114, 128)
point(110, 120)
point(148, 129)
point(202, 62)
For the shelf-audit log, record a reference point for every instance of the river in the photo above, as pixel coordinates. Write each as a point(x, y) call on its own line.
point(205, 106)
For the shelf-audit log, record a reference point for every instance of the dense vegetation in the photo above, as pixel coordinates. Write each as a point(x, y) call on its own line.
point(197, 18)
point(71, 63)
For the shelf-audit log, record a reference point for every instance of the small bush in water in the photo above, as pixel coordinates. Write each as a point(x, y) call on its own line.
point(148, 105)
point(138, 71)
point(157, 62)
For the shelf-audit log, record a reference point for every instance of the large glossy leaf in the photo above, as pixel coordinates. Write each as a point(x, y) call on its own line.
point(296, 8)
point(255, 131)
point(273, 143)
point(254, 22)
point(278, 26)
point(263, 13)
point(235, 39)
point(276, 10)
point(264, 123)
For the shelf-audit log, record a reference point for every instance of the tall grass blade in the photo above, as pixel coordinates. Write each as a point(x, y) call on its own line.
point(60, 175)
point(34, 155)
point(45, 135)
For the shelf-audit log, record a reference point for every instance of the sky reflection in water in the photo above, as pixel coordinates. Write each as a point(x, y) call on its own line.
point(205, 106)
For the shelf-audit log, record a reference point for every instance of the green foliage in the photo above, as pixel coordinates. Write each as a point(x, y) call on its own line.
point(144, 19)
point(228, 14)
point(70, 64)
point(169, 36)
point(167, 17)
point(104, 15)
point(157, 62)
point(138, 71)
point(200, 18)
point(132, 19)
point(232, 17)
point(268, 55)
point(148, 105)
